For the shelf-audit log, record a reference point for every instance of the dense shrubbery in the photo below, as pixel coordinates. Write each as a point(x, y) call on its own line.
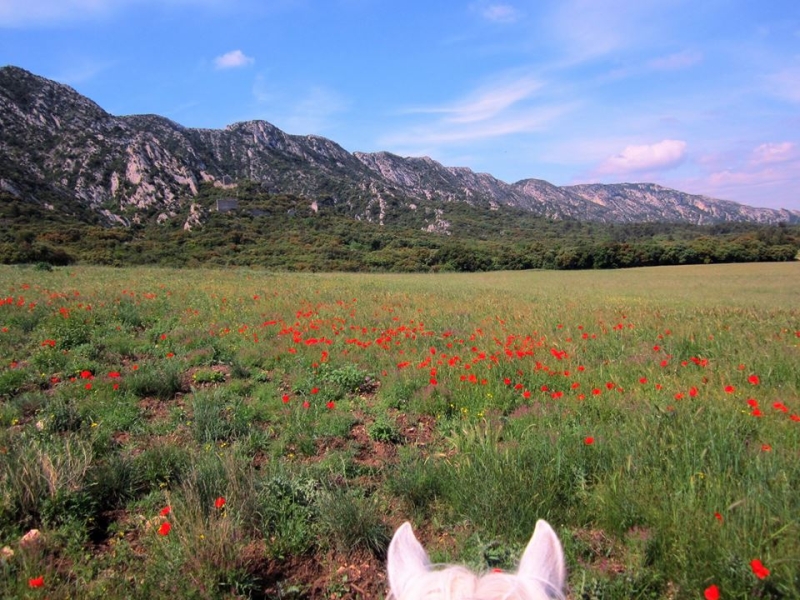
point(281, 232)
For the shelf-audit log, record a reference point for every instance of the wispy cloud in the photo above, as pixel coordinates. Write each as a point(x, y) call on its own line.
point(785, 83)
point(20, 13)
point(676, 61)
point(81, 71)
point(444, 133)
point(496, 12)
point(35, 13)
point(508, 105)
point(773, 153)
point(486, 102)
point(586, 30)
point(765, 175)
point(660, 156)
point(232, 60)
point(314, 110)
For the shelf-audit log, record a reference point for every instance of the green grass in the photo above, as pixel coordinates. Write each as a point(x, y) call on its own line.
point(651, 415)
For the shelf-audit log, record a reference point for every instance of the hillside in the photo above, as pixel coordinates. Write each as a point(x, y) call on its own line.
point(59, 149)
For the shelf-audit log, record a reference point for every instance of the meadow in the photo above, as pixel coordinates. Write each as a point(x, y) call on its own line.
point(247, 434)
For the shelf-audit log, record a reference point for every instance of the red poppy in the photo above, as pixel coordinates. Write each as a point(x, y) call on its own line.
point(331, 404)
point(219, 502)
point(753, 379)
point(711, 593)
point(589, 440)
point(164, 529)
point(113, 374)
point(285, 398)
point(36, 582)
point(718, 517)
point(306, 404)
point(729, 389)
point(692, 391)
point(165, 511)
point(315, 390)
point(759, 570)
point(766, 448)
point(86, 374)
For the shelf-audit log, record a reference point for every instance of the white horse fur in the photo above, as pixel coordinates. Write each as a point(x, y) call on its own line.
point(541, 574)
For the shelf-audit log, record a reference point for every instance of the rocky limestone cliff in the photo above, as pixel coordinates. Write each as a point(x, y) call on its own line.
point(131, 167)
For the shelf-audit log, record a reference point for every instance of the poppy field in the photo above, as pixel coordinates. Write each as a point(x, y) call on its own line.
point(246, 434)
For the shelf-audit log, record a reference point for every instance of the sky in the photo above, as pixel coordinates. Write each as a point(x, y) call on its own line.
point(697, 95)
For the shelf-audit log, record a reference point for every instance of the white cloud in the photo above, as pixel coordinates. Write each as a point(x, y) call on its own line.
point(665, 154)
point(773, 153)
point(233, 60)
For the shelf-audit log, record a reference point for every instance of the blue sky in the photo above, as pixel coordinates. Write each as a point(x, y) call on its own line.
point(699, 95)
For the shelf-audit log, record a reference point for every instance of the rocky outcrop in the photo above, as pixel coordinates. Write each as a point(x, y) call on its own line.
point(123, 169)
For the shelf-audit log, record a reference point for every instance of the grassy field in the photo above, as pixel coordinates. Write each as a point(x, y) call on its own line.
point(238, 433)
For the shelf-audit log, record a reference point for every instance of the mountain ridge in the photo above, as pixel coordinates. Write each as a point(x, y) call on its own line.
point(123, 169)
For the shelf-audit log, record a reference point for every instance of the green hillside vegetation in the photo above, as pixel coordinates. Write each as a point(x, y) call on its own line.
point(281, 232)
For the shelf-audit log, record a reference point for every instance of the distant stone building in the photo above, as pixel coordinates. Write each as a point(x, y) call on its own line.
point(227, 204)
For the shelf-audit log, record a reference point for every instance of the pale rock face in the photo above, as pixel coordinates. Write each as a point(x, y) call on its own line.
point(194, 218)
point(60, 139)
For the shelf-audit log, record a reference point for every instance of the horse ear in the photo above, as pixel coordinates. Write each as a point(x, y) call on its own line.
point(407, 559)
point(543, 559)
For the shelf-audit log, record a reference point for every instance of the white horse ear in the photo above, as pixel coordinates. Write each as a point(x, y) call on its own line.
point(406, 559)
point(543, 559)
